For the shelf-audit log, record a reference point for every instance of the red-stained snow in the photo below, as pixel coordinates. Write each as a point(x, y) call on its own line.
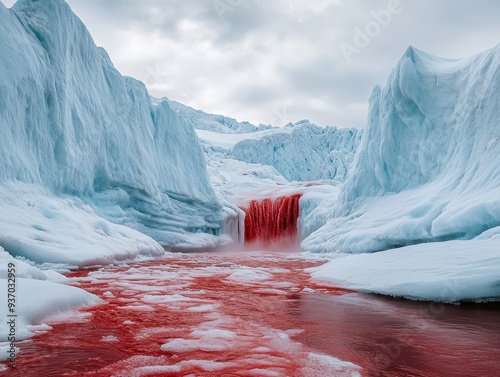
point(271, 221)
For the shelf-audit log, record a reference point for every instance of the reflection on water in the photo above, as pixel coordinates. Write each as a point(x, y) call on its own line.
point(395, 337)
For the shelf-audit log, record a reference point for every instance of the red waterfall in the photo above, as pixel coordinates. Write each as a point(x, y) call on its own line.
point(270, 221)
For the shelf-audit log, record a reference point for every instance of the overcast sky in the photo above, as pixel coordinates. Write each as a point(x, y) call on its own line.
point(274, 61)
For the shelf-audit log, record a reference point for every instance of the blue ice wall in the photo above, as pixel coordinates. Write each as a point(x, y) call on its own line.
point(72, 124)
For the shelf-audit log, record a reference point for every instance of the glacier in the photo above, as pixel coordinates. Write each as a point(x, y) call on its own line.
point(300, 151)
point(78, 135)
point(201, 120)
point(424, 185)
point(328, 153)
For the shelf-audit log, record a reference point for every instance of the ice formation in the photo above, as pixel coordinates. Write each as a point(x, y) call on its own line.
point(38, 294)
point(427, 169)
point(303, 151)
point(426, 173)
point(86, 148)
point(216, 123)
point(449, 271)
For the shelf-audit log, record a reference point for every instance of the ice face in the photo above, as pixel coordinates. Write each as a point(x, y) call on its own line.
point(72, 126)
point(303, 152)
point(424, 189)
point(427, 168)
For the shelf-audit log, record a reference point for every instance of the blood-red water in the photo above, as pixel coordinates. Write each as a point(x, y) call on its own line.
point(256, 314)
point(271, 221)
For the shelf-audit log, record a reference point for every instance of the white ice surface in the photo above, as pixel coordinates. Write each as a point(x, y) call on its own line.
point(217, 123)
point(26, 270)
point(63, 230)
point(442, 271)
point(229, 140)
point(315, 206)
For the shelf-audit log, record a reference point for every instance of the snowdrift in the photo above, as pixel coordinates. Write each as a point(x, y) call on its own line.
point(76, 134)
point(303, 151)
point(426, 173)
point(448, 272)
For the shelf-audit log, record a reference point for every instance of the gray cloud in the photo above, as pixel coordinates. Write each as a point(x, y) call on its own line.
point(278, 60)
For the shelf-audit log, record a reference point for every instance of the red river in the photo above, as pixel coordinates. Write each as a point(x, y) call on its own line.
point(255, 314)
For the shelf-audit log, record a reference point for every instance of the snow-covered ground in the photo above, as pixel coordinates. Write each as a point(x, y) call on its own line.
point(427, 175)
point(449, 271)
point(49, 230)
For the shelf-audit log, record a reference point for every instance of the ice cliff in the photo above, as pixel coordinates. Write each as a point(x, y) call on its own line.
point(427, 169)
point(426, 175)
point(84, 149)
point(303, 151)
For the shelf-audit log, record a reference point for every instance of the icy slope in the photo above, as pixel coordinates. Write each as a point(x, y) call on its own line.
point(216, 123)
point(303, 151)
point(426, 175)
point(427, 169)
point(300, 151)
point(72, 127)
